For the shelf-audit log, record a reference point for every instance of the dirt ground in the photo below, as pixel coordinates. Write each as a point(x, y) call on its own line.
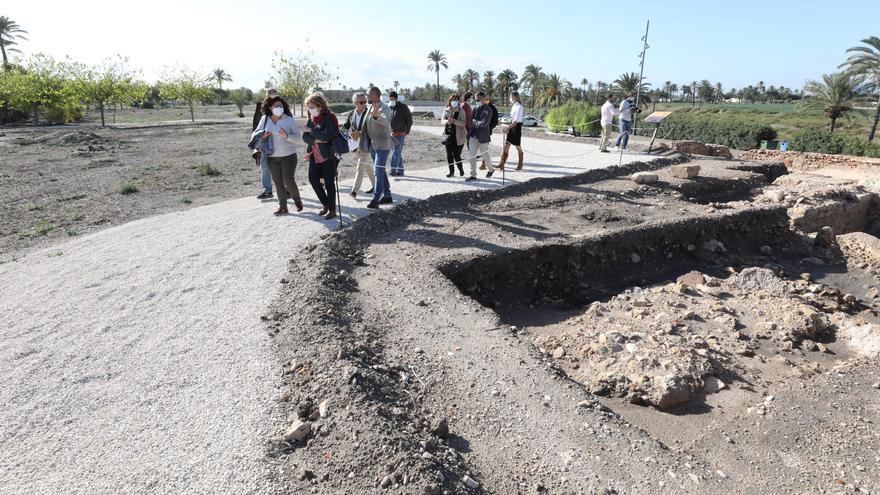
point(57, 182)
point(584, 335)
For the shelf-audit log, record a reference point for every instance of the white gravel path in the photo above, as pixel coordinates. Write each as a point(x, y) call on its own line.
point(134, 359)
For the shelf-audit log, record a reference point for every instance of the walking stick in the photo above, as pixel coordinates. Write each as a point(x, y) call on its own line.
point(338, 196)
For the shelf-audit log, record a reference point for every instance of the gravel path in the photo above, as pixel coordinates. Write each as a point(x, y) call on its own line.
point(134, 359)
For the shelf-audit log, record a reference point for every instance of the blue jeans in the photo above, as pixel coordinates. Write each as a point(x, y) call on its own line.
point(397, 154)
point(265, 175)
point(625, 128)
point(383, 187)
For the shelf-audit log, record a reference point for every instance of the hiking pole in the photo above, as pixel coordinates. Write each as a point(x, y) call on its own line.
point(338, 196)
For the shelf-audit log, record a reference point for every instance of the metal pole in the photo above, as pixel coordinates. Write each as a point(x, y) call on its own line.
point(639, 85)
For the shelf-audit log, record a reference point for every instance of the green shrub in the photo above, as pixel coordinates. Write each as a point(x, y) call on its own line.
point(128, 188)
point(209, 171)
point(822, 141)
point(339, 108)
point(582, 116)
point(64, 113)
point(721, 129)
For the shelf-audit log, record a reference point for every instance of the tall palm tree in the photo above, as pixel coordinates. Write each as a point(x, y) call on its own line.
point(601, 88)
point(667, 88)
point(865, 61)
point(584, 84)
point(10, 31)
point(719, 92)
point(629, 83)
point(488, 83)
point(531, 78)
point(460, 83)
point(835, 95)
point(706, 91)
point(554, 90)
point(506, 83)
point(673, 88)
point(437, 59)
point(471, 76)
point(396, 85)
point(220, 76)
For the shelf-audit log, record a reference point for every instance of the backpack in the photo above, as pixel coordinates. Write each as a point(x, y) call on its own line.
point(493, 122)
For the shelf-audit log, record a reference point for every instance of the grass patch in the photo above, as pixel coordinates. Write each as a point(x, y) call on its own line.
point(186, 201)
point(42, 228)
point(209, 171)
point(75, 197)
point(78, 216)
point(128, 187)
point(33, 207)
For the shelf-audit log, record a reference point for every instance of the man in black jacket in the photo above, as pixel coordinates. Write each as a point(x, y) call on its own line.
point(401, 124)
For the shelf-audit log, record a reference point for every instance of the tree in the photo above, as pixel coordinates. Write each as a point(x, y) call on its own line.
point(241, 97)
point(109, 82)
point(296, 76)
point(705, 90)
point(10, 31)
point(531, 79)
point(396, 85)
point(506, 83)
point(554, 90)
point(41, 83)
point(471, 76)
point(667, 89)
point(488, 83)
point(629, 83)
point(865, 62)
point(220, 76)
point(460, 83)
point(673, 89)
point(185, 85)
point(834, 95)
point(437, 59)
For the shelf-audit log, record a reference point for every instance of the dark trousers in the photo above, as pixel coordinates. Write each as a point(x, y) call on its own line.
point(327, 192)
point(283, 170)
point(453, 155)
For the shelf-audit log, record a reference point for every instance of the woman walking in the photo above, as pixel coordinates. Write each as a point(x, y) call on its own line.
point(285, 134)
point(513, 131)
point(456, 134)
point(321, 130)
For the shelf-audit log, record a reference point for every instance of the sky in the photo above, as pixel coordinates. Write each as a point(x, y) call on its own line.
point(735, 43)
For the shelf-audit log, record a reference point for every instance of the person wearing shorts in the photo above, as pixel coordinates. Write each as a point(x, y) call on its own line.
point(513, 131)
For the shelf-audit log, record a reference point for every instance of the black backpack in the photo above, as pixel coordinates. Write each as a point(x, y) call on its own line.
point(494, 121)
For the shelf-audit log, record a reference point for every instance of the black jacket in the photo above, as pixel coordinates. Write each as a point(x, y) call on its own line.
point(401, 118)
point(326, 131)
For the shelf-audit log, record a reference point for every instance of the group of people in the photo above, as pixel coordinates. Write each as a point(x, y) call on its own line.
point(627, 112)
point(469, 121)
point(376, 135)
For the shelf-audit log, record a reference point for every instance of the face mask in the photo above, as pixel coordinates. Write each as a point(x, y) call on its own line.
point(455, 103)
point(391, 103)
point(277, 111)
point(314, 112)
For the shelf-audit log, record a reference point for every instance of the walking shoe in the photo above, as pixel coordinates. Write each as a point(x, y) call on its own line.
point(265, 195)
point(482, 166)
point(473, 177)
point(354, 194)
point(280, 211)
point(330, 215)
point(604, 151)
point(386, 200)
point(450, 174)
point(373, 204)
point(489, 173)
point(298, 204)
point(323, 211)
point(370, 191)
point(400, 173)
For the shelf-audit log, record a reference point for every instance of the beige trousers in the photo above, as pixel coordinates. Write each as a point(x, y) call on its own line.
point(364, 166)
point(606, 136)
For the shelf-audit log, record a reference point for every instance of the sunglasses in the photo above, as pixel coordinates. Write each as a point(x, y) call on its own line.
point(360, 103)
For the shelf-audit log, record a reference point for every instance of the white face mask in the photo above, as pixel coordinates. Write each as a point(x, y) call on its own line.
point(277, 111)
point(314, 112)
point(391, 103)
point(455, 103)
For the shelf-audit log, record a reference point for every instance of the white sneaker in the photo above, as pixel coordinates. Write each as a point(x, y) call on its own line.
point(617, 148)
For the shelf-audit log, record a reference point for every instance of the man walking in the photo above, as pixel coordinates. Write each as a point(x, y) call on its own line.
point(377, 131)
point(480, 135)
point(401, 124)
point(608, 113)
point(627, 108)
point(355, 125)
point(261, 160)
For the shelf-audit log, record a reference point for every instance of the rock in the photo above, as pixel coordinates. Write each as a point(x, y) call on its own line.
point(298, 431)
point(754, 278)
point(431, 489)
point(712, 384)
point(631, 348)
point(714, 246)
point(766, 250)
point(685, 171)
point(386, 481)
point(670, 390)
point(825, 237)
point(305, 474)
point(700, 148)
point(644, 177)
point(322, 408)
point(441, 429)
point(304, 409)
point(864, 339)
point(635, 258)
point(470, 482)
point(806, 322)
point(692, 278)
point(559, 353)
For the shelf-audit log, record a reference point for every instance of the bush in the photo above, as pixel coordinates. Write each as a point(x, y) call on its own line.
point(208, 170)
point(339, 108)
point(822, 141)
point(64, 113)
point(128, 188)
point(582, 116)
point(718, 129)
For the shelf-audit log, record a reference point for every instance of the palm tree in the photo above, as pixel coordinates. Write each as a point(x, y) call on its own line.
point(471, 76)
point(531, 78)
point(667, 88)
point(220, 76)
point(673, 88)
point(629, 83)
point(835, 95)
point(554, 90)
point(506, 83)
point(705, 90)
point(865, 61)
point(396, 85)
point(584, 84)
point(9, 32)
point(460, 83)
point(437, 59)
point(488, 83)
point(601, 88)
point(719, 93)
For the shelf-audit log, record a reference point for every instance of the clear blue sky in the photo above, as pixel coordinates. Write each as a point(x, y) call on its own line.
point(735, 43)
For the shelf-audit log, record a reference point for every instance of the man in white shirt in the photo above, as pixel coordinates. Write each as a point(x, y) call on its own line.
point(608, 113)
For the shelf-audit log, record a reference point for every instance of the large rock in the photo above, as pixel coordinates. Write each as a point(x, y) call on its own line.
point(685, 171)
point(700, 148)
point(759, 279)
point(864, 339)
point(806, 323)
point(644, 177)
point(298, 431)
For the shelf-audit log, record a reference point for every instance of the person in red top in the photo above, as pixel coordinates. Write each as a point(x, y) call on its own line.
point(468, 109)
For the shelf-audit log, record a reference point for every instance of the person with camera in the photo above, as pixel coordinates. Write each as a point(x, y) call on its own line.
point(628, 110)
point(455, 132)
